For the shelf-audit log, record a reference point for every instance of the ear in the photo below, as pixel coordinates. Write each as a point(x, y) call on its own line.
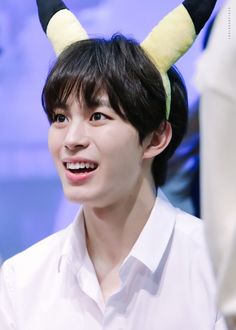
point(157, 141)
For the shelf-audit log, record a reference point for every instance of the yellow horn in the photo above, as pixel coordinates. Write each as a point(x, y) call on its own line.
point(168, 41)
point(64, 29)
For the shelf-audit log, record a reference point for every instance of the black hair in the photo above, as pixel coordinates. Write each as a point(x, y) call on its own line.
point(119, 67)
point(178, 119)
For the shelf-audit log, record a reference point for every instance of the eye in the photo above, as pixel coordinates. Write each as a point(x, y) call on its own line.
point(58, 118)
point(98, 116)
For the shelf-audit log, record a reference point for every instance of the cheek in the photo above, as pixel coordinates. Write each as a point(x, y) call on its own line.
point(54, 141)
point(122, 149)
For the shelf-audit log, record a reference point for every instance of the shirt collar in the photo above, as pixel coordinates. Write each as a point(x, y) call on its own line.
point(155, 236)
point(148, 249)
point(74, 247)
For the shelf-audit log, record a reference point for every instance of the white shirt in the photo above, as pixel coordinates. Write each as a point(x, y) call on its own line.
point(166, 281)
point(217, 82)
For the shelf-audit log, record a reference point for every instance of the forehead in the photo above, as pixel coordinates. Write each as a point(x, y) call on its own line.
point(101, 99)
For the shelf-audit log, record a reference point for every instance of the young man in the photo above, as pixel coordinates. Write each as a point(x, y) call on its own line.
point(129, 260)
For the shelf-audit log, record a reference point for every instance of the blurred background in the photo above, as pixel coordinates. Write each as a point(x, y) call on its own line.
point(31, 199)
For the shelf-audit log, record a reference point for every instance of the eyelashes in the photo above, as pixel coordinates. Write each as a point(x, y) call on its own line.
point(58, 118)
point(95, 117)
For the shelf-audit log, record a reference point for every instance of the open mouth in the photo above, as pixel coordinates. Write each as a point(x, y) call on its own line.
point(81, 167)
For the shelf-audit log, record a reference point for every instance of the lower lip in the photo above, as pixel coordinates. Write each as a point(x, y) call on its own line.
point(78, 178)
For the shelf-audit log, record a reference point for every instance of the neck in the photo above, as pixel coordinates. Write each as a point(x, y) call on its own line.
point(113, 230)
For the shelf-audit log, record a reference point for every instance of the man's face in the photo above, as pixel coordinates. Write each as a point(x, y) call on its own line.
point(98, 156)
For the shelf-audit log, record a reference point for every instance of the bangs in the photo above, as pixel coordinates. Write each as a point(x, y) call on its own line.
point(59, 89)
point(83, 78)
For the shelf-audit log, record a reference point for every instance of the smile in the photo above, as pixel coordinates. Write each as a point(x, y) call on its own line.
point(80, 167)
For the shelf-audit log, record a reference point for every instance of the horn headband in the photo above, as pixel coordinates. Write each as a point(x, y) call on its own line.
point(164, 45)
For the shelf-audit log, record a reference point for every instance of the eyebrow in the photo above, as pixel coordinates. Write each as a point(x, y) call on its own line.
point(60, 105)
point(101, 102)
point(96, 102)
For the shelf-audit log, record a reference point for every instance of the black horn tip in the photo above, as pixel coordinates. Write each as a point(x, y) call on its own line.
point(200, 11)
point(47, 9)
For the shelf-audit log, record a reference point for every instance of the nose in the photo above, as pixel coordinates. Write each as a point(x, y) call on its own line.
point(76, 137)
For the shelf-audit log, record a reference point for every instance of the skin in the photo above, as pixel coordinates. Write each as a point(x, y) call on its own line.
point(119, 195)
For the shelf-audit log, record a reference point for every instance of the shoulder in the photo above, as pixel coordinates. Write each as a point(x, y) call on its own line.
point(186, 226)
point(44, 254)
point(192, 265)
point(188, 241)
point(188, 232)
point(190, 227)
point(190, 244)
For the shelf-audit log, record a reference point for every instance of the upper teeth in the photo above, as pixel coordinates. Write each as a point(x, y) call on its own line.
point(76, 166)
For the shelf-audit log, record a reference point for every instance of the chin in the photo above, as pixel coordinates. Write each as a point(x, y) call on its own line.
point(72, 194)
point(75, 196)
point(91, 196)
point(72, 197)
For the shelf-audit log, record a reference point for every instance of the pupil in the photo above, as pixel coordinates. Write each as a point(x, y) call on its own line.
point(97, 116)
point(60, 118)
